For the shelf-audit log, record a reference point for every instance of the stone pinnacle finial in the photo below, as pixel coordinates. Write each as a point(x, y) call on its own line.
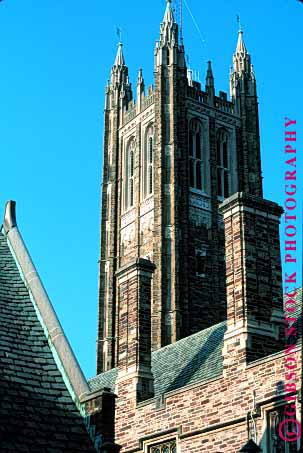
point(209, 82)
point(241, 48)
point(168, 16)
point(120, 57)
point(241, 59)
point(209, 69)
point(140, 76)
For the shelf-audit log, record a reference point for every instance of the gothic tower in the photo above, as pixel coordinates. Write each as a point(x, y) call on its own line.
point(170, 159)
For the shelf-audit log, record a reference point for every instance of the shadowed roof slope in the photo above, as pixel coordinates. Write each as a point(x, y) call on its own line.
point(193, 359)
point(37, 413)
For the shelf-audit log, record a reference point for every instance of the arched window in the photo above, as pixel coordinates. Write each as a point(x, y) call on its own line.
point(223, 164)
point(196, 162)
point(148, 163)
point(131, 178)
point(129, 166)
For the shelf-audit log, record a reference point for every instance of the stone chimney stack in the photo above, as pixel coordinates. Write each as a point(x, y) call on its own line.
point(253, 277)
point(134, 327)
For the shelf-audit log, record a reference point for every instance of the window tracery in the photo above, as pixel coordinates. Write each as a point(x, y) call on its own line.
point(129, 175)
point(165, 447)
point(196, 158)
point(148, 162)
point(223, 167)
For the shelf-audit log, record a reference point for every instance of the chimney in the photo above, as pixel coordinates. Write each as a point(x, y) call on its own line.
point(253, 278)
point(134, 320)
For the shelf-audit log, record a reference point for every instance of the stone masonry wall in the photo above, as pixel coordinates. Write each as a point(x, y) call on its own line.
point(209, 417)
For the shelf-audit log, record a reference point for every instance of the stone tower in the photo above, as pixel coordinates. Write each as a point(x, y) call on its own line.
point(170, 159)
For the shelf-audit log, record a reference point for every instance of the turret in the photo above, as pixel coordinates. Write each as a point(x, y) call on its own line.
point(241, 58)
point(166, 48)
point(117, 96)
point(242, 75)
point(243, 93)
point(119, 72)
point(169, 29)
point(120, 87)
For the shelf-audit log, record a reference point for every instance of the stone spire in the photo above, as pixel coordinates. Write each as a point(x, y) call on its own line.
point(168, 28)
point(242, 69)
point(209, 83)
point(241, 48)
point(243, 93)
point(119, 73)
point(241, 59)
point(120, 61)
point(169, 15)
point(140, 79)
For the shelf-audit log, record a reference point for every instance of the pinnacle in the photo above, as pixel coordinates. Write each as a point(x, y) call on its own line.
point(209, 69)
point(120, 57)
point(140, 76)
point(209, 83)
point(241, 59)
point(168, 16)
point(241, 48)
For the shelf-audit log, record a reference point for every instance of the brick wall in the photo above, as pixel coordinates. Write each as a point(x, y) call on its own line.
point(134, 327)
point(210, 417)
point(253, 274)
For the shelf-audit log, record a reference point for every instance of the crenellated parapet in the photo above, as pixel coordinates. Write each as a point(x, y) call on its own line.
point(134, 107)
point(219, 102)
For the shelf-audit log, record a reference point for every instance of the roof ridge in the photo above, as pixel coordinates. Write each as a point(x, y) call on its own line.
point(29, 367)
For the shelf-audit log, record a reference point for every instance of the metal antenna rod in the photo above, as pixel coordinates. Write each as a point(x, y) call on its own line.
point(239, 23)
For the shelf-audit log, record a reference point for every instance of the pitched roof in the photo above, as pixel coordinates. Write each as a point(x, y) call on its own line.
point(37, 413)
point(188, 361)
point(193, 359)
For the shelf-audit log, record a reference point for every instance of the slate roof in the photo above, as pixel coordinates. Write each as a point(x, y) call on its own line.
point(37, 413)
point(193, 359)
point(188, 361)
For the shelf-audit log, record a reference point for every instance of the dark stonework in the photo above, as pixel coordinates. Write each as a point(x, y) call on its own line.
point(198, 257)
point(254, 272)
point(134, 325)
point(182, 230)
point(100, 408)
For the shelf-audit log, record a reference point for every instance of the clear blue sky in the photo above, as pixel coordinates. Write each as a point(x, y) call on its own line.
point(55, 58)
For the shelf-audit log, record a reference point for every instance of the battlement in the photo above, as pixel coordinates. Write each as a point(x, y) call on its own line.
point(220, 102)
point(131, 111)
